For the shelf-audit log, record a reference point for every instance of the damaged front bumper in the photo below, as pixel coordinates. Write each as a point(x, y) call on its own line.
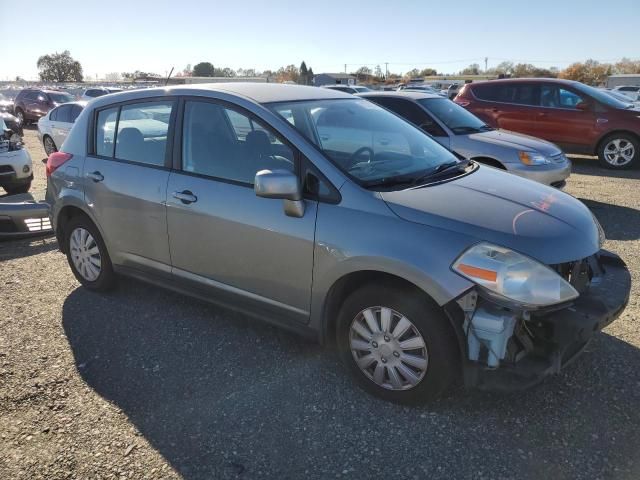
point(507, 349)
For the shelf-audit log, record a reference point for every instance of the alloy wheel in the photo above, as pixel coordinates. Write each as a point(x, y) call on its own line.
point(85, 254)
point(619, 152)
point(20, 117)
point(388, 348)
point(49, 146)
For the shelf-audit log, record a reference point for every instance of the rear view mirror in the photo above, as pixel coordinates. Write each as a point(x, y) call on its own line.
point(281, 184)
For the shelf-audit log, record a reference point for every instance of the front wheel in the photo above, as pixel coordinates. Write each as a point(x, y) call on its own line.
point(619, 151)
point(17, 189)
point(20, 117)
point(397, 344)
point(87, 254)
point(49, 145)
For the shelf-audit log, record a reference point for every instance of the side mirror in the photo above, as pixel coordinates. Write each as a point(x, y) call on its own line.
point(281, 184)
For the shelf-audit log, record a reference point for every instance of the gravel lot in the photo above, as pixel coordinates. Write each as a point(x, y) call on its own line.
point(143, 383)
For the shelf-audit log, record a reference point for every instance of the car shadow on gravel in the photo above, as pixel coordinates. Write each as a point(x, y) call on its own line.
point(618, 222)
point(26, 247)
point(590, 166)
point(220, 395)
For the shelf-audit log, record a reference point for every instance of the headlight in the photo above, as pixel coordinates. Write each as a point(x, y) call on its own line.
point(531, 158)
point(513, 276)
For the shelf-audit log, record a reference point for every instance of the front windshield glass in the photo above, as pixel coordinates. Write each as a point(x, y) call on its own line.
point(601, 96)
point(458, 119)
point(60, 97)
point(372, 145)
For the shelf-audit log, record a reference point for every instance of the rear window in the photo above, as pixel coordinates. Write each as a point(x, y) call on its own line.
point(519, 94)
point(64, 114)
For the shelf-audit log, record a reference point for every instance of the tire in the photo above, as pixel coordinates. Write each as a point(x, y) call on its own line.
point(17, 189)
point(49, 145)
point(428, 323)
point(74, 236)
point(619, 151)
point(20, 116)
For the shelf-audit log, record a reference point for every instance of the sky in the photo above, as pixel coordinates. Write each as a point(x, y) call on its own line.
point(118, 36)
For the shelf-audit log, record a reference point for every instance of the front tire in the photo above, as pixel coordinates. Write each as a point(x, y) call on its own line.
point(17, 189)
point(87, 254)
point(397, 344)
point(619, 151)
point(49, 145)
point(20, 117)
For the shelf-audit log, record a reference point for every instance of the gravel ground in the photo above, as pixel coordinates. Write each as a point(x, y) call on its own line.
point(143, 383)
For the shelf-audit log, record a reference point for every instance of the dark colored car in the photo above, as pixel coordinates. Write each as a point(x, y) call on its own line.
point(33, 103)
point(578, 118)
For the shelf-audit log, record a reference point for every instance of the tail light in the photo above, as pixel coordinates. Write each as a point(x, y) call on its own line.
point(461, 102)
point(56, 160)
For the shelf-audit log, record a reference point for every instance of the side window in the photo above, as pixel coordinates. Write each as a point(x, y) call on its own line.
point(75, 111)
point(486, 92)
point(525, 95)
point(568, 99)
point(142, 132)
point(53, 116)
point(229, 145)
point(64, 114)
point(105, 132)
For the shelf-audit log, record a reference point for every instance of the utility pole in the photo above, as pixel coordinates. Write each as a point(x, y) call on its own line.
point(345, 68)
point(386, 70)
point(486, 59)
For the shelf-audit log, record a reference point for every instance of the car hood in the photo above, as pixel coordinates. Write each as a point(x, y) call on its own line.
point(495, 206)
point(505, 138)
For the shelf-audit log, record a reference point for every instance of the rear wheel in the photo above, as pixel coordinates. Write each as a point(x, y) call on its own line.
point(49, 145)
point(397, 344)
point(619, 151)
point(87, 254)
point(20, 116)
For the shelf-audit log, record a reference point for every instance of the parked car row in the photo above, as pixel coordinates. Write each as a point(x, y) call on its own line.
point(332, 216)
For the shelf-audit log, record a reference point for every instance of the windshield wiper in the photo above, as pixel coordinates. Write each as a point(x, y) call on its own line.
point(465, 129)
point(441, 171)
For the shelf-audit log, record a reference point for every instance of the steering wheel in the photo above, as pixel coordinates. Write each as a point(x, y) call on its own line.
point(354, 156)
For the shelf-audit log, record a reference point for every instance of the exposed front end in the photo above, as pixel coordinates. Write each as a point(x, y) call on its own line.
point(510, 346)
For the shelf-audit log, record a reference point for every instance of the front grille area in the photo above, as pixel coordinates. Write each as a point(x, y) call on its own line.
point(580, 273)
point(559, 158)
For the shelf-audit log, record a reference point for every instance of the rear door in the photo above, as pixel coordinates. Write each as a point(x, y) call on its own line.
point(223, 237)
point(126, 177)
point(507, 105)
point(559, 120)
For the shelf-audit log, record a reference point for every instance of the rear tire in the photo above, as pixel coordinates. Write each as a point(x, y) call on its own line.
point(20, 116)
point(619, 151)
point(87, 254)
point(49, 145)
point(424, 373)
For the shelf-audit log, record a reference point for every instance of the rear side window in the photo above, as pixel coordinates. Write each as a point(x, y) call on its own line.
point(64, 114)
point(53, 116)
point(519, 94)
point(105, 132)
point(75, 111)
point(142, 132)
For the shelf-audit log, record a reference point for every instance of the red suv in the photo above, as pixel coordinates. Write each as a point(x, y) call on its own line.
point(579, 118)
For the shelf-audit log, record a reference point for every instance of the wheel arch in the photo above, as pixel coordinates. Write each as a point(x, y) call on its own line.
point(63, 217)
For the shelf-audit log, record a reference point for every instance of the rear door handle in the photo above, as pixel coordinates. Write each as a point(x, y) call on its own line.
point(185, 197)
point(95, 176)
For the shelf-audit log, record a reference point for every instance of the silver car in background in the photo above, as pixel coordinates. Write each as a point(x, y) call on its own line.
point(462, 132)
point(326, 214)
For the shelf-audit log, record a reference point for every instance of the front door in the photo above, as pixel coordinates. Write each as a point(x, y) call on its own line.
point(559, 120)
point(125, 180)
point(223, 238)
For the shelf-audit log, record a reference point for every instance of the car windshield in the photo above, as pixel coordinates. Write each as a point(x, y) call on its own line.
point(458, 119)
point(375, 147)
point(361, 89)
point(60, 97)
point(618, 96)
point(601, 96)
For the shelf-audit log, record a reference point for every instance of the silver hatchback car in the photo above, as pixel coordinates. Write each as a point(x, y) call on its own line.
point(422, 268)
point(462, 132)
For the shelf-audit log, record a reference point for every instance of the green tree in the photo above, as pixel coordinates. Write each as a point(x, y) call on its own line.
point(203, 69)
point(59, 67)
point(590, 72)
point(473, 69)
point(428, 72)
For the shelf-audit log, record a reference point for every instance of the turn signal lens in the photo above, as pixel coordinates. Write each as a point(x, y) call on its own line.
point(530, 158)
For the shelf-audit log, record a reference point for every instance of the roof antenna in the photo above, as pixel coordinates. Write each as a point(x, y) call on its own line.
point(168, 77)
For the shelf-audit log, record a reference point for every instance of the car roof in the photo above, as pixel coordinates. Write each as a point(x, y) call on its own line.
point(411, 94)
point(560, 81)
point(82, 103)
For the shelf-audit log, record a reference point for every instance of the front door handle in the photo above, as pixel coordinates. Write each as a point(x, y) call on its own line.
point(95, 176)
point(185, 197)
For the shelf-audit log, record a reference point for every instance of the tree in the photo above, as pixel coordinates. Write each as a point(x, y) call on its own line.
point(627, 66)
point(139, 74)
point(473, 69)
point(590, 72)
point(203, 69)
point(428, 72)
point(59, 67)
point(290, 73)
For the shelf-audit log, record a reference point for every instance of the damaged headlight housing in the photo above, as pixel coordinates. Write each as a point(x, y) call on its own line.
point(513, 276)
